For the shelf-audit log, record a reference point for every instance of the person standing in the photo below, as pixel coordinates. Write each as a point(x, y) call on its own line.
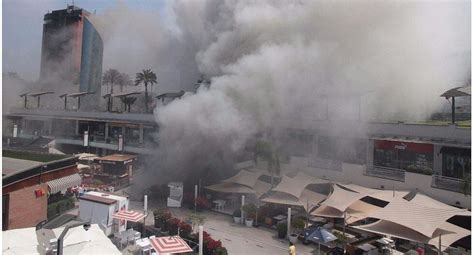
point(292, 249)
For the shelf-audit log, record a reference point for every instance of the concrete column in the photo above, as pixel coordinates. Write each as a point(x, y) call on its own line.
point(370, 152)
point(77, 128)
point(288, 227)
point(141, 133)
point(24, 126)
point(50, 127)
point(201, 238)
point(106, 130)
point(242, 217)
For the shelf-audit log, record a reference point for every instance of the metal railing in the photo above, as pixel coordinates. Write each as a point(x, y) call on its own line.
point(385, 173)
point(451, 184)
point(325, 164)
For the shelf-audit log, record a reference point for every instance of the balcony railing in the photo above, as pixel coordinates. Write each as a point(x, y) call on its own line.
point(325, 164)
point(385, 173)
point(451, 184)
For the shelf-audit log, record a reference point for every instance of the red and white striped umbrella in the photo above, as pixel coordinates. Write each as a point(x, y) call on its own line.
point(170, 244)
point(129, 215)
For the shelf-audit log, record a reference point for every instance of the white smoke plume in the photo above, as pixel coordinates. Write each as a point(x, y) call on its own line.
point(278, 60)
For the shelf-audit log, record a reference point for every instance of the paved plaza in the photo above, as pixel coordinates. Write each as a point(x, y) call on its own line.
point(238, 239)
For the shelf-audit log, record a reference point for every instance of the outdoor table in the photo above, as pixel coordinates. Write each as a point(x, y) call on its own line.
point(219, 204)
point(280, 217)
point(144, 244)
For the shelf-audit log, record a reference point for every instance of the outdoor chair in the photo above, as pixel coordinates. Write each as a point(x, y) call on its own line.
point(122, 242)
point(146, 250)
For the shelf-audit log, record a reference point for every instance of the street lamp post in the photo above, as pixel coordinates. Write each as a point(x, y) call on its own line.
point(86, 226)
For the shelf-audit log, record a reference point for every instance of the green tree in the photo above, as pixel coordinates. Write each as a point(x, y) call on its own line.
point(265, 150)
point(124, 80)
point(111, 77)
point(147, 77)
point(128, 101)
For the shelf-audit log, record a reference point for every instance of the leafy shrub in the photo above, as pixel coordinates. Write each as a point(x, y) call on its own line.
point(185, 229)
point(298, 224)
point(202, 203)
point(281, 229)
point(173, 225)
point(250, 210)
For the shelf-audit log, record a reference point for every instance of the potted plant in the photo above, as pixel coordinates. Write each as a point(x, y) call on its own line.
point(250, 210)
point(185, 229)
point(297, 225)
point(281, 229)
point(237, 214)
point(173, 226)
point(202, 203)
point(158, 216)
point(165, 223)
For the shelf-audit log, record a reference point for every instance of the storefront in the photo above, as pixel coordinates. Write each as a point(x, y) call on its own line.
point(410, 156)
point(456, 162)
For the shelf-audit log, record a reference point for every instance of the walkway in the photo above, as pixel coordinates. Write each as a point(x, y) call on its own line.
point(236, 238)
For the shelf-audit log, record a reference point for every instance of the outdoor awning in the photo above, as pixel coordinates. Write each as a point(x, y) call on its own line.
point(422, 219)
point(308, 199)
point(64, 183)
point(457, 92)
point(245, 177)
point(296, 185)
point(448, 239)
point(341, 199)
point(129, 216)
point(19, 241)
point(230, 188)
point(170, 245)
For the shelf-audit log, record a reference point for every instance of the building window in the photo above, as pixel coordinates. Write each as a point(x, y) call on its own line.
point(456, 162)
point(412, 157)
point(349, 150)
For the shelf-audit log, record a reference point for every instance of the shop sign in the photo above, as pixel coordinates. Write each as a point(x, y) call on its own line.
point(39, 193)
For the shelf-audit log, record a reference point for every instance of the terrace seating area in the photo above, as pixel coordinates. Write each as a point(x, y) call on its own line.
point(357, 212)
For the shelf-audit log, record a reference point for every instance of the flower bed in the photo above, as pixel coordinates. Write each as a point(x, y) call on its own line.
point(165, 221)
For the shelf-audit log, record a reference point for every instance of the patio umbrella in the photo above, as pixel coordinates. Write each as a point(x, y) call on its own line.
point(170, 244)
point(129, 215)
point(321, 235)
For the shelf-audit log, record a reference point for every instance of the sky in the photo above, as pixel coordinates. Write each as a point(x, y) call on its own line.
point(22, 28)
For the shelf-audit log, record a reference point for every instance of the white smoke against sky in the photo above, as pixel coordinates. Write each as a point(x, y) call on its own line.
point(137, 39)
point(272, 60)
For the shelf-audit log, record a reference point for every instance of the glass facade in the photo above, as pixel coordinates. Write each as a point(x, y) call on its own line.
point(413, 157)
point(456, 162)
point(91, 59)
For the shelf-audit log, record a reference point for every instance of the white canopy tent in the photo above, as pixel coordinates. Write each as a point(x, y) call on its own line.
point(245, 182)
point(417, 222)
point(20, 241)
point(294, 191)
point(80, 241)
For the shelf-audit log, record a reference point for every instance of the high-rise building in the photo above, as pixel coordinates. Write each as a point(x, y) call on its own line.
point(71, 56)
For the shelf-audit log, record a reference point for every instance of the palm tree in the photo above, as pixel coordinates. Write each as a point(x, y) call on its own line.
point(128, 101)
point(111, 77)
point(124, 80)
point(146, 77)
point(265, 150)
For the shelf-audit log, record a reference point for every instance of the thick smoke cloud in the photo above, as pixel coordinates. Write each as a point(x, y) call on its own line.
point(135, 40)
point(278, 60)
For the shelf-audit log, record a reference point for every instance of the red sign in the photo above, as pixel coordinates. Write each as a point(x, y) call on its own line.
point(403, 146)
point(39, 193)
